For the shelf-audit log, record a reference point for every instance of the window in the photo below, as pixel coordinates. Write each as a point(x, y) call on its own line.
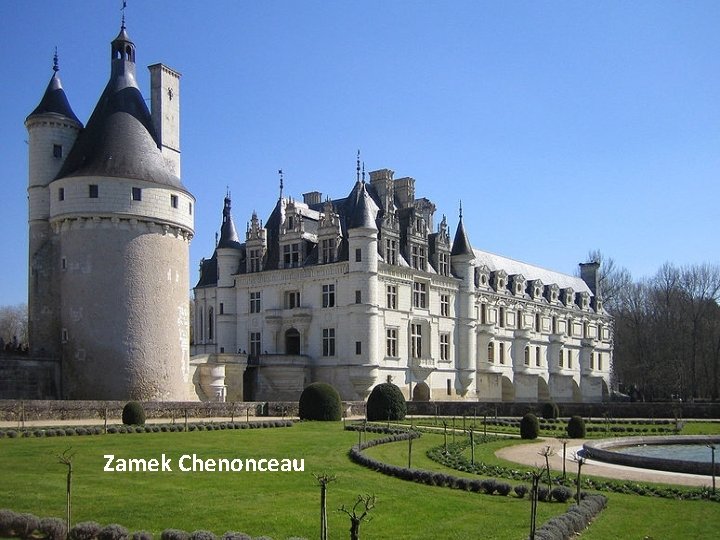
point(391, 296)
point(419, 294)
point(538, 328)
point(358, 297)
point(501, 318)
point(569, 359)
point(222, 308)
point(328, 295)
point(418, 258)
point(491, 352)
point(255, 259)
point(290, 223)
point(328, 250)
point(561, 359)
point(391, 338)
point(255, 301)
point(358, 255)
point(569, 327)
point(599, 362)
point(174, 201)
point(520, 322)
point(136, 194)
point(444, 346)
point(537, 356)
point(502, 353)
point(201, 324)
point(255, 344)
point(211, 324)
point(483, 313)
point(527, 355)
point(291, 255)
point(328, 342)
point(444, 264)
point(554, 325)
point(63, 263)
point(592, 360)
point(445, 305)
point(358, 347)
point(57, 150)
point(292, 299)
point(415, 341)
point(93, 191)
point(391, 251)
point(64, 335)
point(449, 387)
point(190, 208)
point(61, 194)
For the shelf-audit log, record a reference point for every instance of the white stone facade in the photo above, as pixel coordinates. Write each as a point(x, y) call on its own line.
point(394, 301)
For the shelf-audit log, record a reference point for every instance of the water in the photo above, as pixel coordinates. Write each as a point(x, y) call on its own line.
point(685, 452)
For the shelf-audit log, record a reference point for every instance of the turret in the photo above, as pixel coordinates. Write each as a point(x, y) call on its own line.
point(228, 247)
point(52, 129)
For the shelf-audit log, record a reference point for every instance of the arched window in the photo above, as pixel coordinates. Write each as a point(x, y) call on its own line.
point(491, 352)
point(201, 325)
point(527, 355)
point(211, 325)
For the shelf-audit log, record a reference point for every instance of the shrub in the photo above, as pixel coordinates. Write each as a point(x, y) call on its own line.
point(520, 490)
point(560, 493)
point(529, 426)
point(550, 410)
point(6, 522)
point(24, 525)
point(133, 414)
point(53, 528)
point(142, 535)
point(320, 401)
point(113, 532)
point(576, 427)
point(202, 535)
point(543, 493)
point(174, 534)
point(87, 530)
point(503, 488)
point(231, 535)
point(386, 402)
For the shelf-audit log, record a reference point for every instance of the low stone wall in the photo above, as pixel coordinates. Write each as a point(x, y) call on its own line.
point(38, 410)
point(586, 410)
point(603, 451)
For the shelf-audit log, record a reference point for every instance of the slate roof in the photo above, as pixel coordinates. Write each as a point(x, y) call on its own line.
point(54, 101)
point(461, 243)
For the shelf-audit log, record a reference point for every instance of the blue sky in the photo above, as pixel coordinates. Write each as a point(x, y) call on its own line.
point(562, 126)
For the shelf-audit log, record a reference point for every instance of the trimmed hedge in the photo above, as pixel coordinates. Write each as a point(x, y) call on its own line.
point(576, 427)
point(320, 401)
point(529, 427)
point(386, 402)
point(133, 414)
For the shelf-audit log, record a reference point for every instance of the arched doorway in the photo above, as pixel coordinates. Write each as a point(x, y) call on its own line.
point(292, 341)
point(421, 392)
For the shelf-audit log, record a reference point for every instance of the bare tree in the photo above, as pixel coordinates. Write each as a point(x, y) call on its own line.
point(358, 513)
point(612, 279)
point(14, 325)
point(323, 480)
point(66, 458)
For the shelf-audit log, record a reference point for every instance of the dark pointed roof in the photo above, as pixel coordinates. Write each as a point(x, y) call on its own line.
point(362, 209)
point(54, 101)
point(461, 243)
point(228, 234)
point(119, 139)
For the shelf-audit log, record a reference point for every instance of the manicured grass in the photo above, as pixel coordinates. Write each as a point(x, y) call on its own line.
point(273, 504)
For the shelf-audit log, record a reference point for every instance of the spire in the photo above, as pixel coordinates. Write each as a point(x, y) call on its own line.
point(461, 243)
point(281, 184)
point(357, 167)
point(363, 172)
point(228, 234)
point(124, 6)
point(54, 100)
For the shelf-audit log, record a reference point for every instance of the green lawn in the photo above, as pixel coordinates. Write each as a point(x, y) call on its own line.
point(287, 504)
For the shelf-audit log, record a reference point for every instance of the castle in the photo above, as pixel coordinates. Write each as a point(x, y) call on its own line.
point(353, 291)
point(110, 225)
point(366, 289)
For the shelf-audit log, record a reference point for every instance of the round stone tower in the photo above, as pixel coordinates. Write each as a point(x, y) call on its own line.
point(122, 223)
point(52, 130)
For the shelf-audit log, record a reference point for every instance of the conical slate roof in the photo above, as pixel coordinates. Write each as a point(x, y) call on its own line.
point(54, 100)
point(461, 243)
point(228, 234)
point(119, 139)
point(361, 210)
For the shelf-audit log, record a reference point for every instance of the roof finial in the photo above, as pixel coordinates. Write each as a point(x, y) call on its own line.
point(460, 209)
point(357, 168)
point(363, 172)
point(281, 182)
point(56, 68)
point(122, 25)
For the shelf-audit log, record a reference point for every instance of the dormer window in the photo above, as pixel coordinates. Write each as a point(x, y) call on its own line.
point(290, 223)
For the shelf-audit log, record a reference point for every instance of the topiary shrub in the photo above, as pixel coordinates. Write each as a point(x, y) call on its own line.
point(520, 490)
point(232, 535)
point(6, 522)
point(560, 494)
point(174, 534)
point(386, 402)
point(53, 528)
point(576, 427)
point(202, 535)
point(24, 525)
point(87, 530)
point(320, 401)
point(529, 426)
point(142, 535)
point(550, 410)
point(133, 414)
point(113, 532)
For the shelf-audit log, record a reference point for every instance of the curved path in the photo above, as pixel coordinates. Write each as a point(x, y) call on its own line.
point(529, 454)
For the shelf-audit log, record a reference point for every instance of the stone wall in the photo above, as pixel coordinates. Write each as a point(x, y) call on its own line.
point(25, 378)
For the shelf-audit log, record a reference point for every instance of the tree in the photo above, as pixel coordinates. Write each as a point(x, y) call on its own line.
point(323, 480)
point(358, 513)
point(613, 280)
point(14, 325)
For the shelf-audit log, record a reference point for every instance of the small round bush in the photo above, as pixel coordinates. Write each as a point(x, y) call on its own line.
point(24, 525)
point(560, 494)
point(520, 490)
point(232, 535)
point(550, 410)
point(133, 414)
point(53, 528)
point(174, 534)
point(386, 402)
point(576, 427)
point(202, 535)
point(320, 401)
point(142, 535)
point(87, 530)
point(529, 426)
point(113, 532)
